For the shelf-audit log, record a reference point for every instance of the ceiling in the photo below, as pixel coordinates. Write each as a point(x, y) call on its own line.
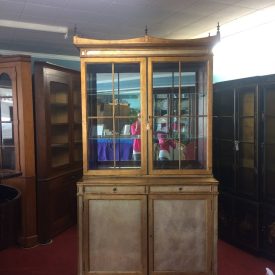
point(115, 19)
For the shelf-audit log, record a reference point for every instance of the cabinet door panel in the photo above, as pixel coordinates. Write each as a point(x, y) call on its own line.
point(225, 217)
point(268, 232)
point(225, 162)
point(268, 149)
point(117, 234)
point(269, 173)
point(247, 170)
point(246, 215)
point(179, 234)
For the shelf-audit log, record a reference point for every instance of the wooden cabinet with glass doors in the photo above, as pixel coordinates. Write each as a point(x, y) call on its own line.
point(147, 200)
point(17, 151)
point(58, 147)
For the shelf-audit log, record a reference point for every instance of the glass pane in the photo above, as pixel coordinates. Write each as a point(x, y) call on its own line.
point(223, 102)
point(226, 164)
point(6, 109)
point(269, 100)
point(59, 119)
point(247, 183)
point(60, 154)
point(7, 134)
point(126, 88)
point(246, 103)
point(114, 149)
point(99, 90)
point(269, 171)
point(7, 156)
point(246, 129)
point(59, 102)
point(179, 115)
point(113, 108)
point(59, 134)
point(269, 129)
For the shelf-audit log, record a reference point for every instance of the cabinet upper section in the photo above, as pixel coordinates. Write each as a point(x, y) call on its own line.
point(146, 105)
point(145, 46)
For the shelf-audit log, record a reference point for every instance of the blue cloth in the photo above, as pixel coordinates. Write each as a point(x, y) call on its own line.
point(105, 149)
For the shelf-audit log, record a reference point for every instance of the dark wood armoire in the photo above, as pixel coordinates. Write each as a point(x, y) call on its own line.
point(244, 161)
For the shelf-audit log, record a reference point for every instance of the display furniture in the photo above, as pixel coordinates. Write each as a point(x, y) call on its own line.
point(153, 211)
point(244, 162)
point(17, 150)
point(58, 147)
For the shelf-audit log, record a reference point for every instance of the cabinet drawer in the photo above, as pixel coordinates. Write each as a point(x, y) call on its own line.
point(112, 189)
point(179, 189)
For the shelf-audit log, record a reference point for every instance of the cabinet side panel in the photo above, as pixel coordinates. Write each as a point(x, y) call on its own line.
point(115, 235)
point(180, 235)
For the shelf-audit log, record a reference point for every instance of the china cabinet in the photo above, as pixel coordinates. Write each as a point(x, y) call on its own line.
point(147, 200)
point(58, 147)
point(17, 150)
point(244, 154)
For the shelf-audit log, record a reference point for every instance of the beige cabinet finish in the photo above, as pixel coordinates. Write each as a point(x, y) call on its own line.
point(119, 232)
point(116, 231)
point(147, 203)
point(178, 234)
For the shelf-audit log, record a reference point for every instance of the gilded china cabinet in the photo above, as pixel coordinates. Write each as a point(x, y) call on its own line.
point(147, 201)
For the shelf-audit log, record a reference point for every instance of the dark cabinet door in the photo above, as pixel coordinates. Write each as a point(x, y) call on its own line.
point(246, 215)
point(225, 217)
point(246, 143)
point(268, 142)
point(224, 137)
point(268, 231)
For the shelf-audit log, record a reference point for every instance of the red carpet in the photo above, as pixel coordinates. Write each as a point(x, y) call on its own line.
point(57, 258)
point(60, 258)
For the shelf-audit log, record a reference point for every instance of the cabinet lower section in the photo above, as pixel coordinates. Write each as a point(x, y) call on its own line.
point(150, 232)
point(56, 203)
point(247, 224)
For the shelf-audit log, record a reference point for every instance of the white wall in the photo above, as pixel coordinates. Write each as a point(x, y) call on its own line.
point(247, 47)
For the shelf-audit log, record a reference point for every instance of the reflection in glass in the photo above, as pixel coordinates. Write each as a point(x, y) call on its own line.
point(179, 115)
point(113, 105)
point(7, 145)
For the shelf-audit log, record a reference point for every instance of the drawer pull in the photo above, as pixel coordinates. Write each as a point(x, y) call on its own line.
point(114, 189)
point(180, 188)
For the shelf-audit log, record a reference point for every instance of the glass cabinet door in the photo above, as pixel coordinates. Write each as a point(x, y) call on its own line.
point(178, 115)
point(246, 148)
point(268, 141)
point(7, 133)
point(59, 122)
point(114, 115)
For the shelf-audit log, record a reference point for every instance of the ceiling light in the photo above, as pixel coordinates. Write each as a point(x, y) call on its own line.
point(34, 26)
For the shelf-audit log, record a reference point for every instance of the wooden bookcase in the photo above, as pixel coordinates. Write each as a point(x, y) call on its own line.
point(143, 207)
point(244, 151)
point(17, 138)
point(59, 147)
